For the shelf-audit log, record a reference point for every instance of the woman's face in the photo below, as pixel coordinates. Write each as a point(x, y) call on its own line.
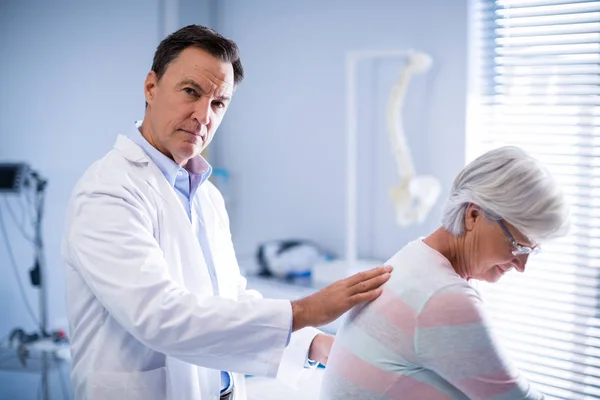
point(489, 249)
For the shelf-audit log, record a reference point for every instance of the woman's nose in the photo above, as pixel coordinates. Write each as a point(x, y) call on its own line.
point(520, 261)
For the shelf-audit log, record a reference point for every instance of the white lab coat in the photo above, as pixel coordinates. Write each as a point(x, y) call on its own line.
point(144, 322)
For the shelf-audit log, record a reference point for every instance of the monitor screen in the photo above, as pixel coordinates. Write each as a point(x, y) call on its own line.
point(11, 176)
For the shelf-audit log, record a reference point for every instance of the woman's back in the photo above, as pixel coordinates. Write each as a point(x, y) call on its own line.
point(425, 337)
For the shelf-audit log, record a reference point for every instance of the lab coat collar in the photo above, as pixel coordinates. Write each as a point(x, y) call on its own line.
point(135, 154)
point(130, 150)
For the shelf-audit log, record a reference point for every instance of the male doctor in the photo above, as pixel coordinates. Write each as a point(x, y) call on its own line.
point(156, 303)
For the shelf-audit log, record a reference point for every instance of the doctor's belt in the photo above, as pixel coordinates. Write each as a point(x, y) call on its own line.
point(227, 394)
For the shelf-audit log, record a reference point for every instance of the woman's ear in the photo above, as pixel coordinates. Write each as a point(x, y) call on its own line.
point(471, 215)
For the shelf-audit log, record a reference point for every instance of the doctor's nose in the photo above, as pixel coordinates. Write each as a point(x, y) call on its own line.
point(202, 112)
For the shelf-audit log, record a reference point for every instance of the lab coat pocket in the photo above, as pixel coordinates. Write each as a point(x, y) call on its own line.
point(147, 385)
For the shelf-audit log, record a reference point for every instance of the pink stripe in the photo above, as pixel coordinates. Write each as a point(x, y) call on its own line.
point(408, 388)
point(360, 372)
point(370, 377)
point(488, 385)
point(396, 312)
point(389, 321)
point(448, 309)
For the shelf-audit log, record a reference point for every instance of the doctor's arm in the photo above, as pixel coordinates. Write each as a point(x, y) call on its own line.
point(305, 345)
point(110, 243)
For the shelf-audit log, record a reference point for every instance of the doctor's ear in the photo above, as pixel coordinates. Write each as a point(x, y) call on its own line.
point(150, 85)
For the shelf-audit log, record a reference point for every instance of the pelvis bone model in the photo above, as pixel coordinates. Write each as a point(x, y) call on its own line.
point(414, 195)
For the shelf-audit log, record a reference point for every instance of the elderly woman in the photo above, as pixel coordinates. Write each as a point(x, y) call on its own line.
point(427, 336)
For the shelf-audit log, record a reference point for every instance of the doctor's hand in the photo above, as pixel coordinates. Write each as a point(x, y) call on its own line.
point(320, 348)
point(330, 303)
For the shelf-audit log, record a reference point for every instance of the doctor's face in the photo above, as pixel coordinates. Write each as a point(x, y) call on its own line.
point(187, 104)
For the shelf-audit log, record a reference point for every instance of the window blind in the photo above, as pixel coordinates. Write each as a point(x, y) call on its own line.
point(535, 83)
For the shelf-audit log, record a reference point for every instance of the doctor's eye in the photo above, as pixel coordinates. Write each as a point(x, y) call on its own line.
point(190, 91)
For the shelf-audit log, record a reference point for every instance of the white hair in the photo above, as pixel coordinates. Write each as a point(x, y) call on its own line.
point(509, 184)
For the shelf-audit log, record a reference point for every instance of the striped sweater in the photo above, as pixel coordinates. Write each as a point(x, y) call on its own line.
point(426, 337)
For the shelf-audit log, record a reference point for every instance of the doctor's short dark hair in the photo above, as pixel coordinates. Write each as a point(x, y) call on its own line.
point(201, 37)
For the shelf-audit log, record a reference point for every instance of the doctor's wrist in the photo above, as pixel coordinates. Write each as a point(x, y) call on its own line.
point(300, 315)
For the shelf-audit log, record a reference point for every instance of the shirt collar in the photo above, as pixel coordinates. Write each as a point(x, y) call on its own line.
point(198, 168)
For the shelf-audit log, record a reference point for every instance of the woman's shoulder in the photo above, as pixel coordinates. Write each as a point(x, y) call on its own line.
point(420, 273)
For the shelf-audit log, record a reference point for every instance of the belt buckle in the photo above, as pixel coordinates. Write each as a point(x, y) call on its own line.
point(227, 394)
